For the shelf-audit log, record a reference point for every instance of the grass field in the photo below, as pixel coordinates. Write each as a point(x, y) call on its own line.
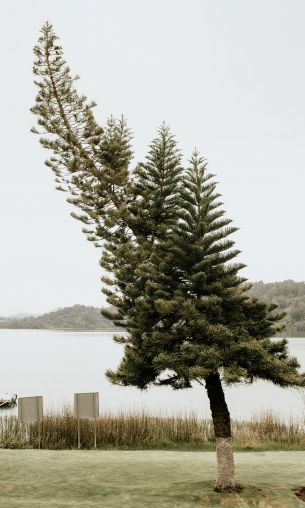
point(134, 479)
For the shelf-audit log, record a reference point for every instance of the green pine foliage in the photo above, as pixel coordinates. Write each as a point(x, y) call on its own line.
point(194, 316)
point(89, 162)
point(166, 244)
point(151, 214)
point(156, 186)
point(165, 241)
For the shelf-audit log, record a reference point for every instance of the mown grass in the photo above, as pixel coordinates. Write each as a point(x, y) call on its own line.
point(144, 431)
point(150, 479)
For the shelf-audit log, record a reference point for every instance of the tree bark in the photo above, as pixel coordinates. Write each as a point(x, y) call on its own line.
point(222, 430)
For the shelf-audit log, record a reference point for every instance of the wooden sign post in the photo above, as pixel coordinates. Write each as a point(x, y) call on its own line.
point(86, 405)
point(30, 409)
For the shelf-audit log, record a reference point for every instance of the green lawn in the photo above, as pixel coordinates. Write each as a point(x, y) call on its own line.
point(134, 479)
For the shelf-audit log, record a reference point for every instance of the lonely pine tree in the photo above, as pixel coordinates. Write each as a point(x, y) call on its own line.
point(166, 247)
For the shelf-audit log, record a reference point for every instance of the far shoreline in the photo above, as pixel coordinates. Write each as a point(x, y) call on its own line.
point(67, 330)
point(107, 330)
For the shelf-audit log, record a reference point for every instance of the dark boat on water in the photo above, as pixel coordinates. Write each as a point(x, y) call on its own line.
point(8, 400)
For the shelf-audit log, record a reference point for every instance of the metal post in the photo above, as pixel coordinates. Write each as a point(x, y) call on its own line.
point(37, 408)
point(78, 433)
point(78, 423)
point(27, 433)
point(95, 433)
point(39, 434)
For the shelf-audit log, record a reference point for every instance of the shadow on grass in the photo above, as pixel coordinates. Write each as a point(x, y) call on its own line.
point(300, 493)
point(201, 494)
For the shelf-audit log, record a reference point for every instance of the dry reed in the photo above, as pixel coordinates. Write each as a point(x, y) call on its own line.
point(144, 431)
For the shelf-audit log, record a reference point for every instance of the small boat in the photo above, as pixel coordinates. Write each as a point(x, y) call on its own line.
point(8, 400)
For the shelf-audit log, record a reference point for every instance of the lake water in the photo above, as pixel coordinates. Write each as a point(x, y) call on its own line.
point(56, 364)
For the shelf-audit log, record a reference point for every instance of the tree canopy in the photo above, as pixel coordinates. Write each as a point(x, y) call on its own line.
point(166, 245)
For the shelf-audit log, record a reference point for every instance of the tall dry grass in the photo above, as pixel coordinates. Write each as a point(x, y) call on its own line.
point(141, 430)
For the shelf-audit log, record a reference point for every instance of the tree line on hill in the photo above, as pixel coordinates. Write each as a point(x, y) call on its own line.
point(288, 295)
point(78, 317)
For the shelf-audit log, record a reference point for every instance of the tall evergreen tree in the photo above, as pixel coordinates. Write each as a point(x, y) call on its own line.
point(207, 329)
point(165, 245)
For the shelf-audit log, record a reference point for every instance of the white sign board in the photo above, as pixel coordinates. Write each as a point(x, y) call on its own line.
point(86, 405)
point(30, 409)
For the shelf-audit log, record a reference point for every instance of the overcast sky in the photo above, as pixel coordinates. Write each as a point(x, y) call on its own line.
point(228, 77)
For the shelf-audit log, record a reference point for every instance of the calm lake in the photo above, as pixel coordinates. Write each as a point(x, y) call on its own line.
point(56, 364)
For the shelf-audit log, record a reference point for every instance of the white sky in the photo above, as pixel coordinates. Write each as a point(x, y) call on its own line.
point(229, 78)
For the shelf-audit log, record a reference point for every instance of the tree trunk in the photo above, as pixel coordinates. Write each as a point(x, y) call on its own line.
point(222, 429)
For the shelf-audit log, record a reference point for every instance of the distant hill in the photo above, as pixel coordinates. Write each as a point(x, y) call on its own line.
point(78, 317)
point(288, 295)
point(290, 298)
